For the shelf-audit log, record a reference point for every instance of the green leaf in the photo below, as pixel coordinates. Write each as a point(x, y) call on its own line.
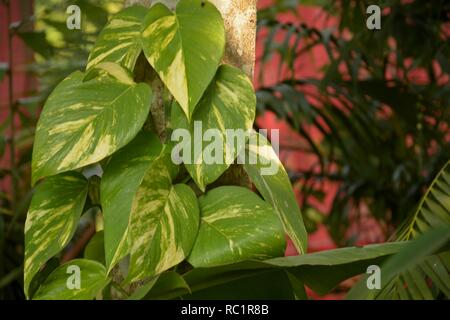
point(119, 41)
point(37, 41)
point(84, 122)
point(162, 287)
point(228, 104)
point(270, 178)
point(145, 215)
point(109, 69)
point(95, 249)
point(52, 219)
point(236, 225)
point(320, 271)
point(165, 224)
point(415, 253)
point(185, 48)
point(263, 285)
point(122, 177)
point(432, 212)
point(59, 284)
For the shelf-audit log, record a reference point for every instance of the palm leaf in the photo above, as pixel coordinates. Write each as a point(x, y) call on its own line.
point(420, 277)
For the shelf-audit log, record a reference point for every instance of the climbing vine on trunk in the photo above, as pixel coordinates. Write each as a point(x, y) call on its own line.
point(159, 214)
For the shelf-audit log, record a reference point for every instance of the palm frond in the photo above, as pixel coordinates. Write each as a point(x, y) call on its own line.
point(430, 278)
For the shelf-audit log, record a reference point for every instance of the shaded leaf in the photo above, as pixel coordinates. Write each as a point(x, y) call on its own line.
point(122, 177)
point(58, 284)
point(52, 219)
point(413, 255)
point(164, 286)
point(95, 249)
point(320, 271)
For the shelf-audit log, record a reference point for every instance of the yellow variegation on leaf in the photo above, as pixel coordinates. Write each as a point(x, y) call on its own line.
point(84, 122)
point(52, 219)
point(146, 216)
point(270, 178)
point(119, 41)
point(236, 225)
point(185, 48)
point(228, 108)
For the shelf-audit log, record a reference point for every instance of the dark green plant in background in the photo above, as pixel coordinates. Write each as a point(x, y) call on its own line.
point(58, 52)
point(385, 133)
point(385, 143)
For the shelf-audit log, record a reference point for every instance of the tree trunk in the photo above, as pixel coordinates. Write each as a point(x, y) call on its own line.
point(240, 28)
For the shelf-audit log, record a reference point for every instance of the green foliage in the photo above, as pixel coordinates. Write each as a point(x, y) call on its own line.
point(52, 218)
point(236, 225)
point(384, 128)
point(83, 122)
point(228, 103)
point(420, 271)
point(408, 274)
point(176, 44)
point(159, 234)
point(58, 284)
point(151, 219)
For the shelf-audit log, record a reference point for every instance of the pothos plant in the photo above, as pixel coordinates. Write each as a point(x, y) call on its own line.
point(167, 230)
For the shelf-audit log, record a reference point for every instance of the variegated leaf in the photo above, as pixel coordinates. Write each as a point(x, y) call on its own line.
point(236, 225)
point(119, 41)
point(123, 174)
point(84, 122)
point(78, 279)
point(227, 107)
point(164, 224)
point(145, 215)
point(52, 219)
point(270, 178)
point(185, 48)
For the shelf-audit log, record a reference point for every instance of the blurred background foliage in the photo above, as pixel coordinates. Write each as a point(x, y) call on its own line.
point(381, 104)
point(375, 118)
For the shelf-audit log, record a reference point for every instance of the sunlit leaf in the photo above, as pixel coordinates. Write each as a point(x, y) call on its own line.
point(119, 41)
point(122, 177)
point(228, 106)
point(185, 48)
point(83, 122)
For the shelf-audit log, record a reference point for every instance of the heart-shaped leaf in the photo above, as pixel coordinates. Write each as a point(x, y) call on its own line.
point(52, 219)
point(236, 225)
point(164, 223)
point(119, 41)
point(78, 279)
point(84, 122)
point(145, 215)
point(121, 179)
point(185, 48)
point(228, 109)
